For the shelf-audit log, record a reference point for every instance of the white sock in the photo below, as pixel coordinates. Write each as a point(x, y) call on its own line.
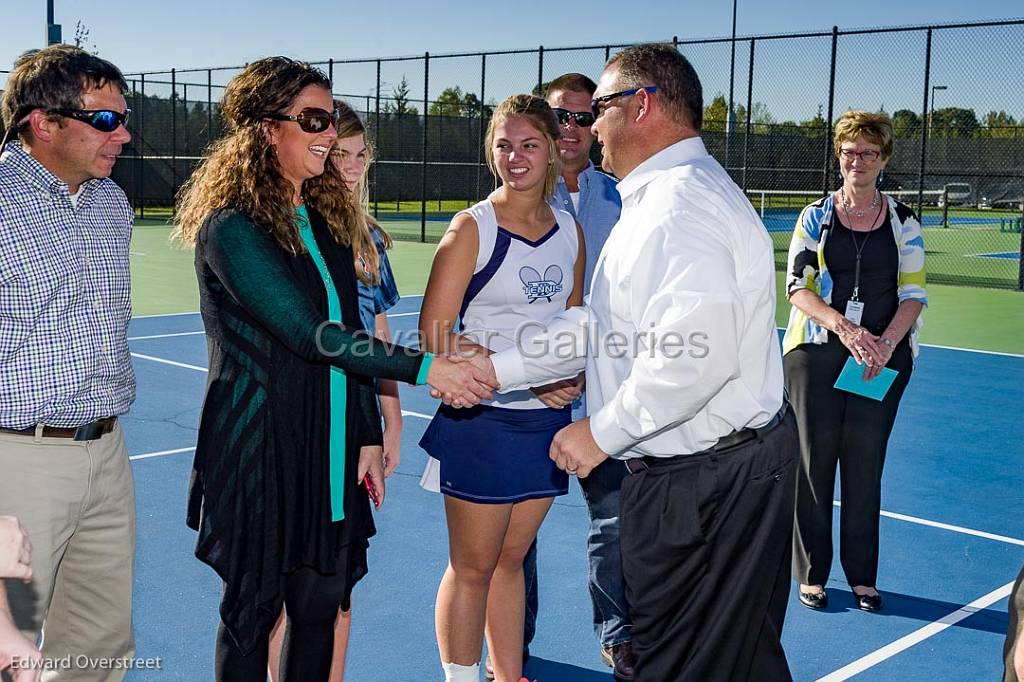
point(453, 672)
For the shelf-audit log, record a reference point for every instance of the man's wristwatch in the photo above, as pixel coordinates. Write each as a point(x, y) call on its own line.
point(887, 342)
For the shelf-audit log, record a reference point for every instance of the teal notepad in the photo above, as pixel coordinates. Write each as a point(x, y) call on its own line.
point(851, 379)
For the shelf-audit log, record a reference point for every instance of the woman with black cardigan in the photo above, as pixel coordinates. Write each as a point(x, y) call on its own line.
point(290, 424)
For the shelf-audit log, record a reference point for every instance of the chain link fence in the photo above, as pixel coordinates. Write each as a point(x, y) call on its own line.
point(952, 91)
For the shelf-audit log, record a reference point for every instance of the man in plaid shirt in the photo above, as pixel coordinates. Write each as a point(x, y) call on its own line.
point(65, 370)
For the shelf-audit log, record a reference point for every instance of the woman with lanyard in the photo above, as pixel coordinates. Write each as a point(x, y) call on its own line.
point(290, 424)
point(856, 283)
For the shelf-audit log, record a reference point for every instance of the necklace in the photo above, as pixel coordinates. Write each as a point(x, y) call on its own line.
point(859, 214)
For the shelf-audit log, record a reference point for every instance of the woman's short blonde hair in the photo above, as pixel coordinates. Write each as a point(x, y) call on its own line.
point(875, 128)
point(539, 114)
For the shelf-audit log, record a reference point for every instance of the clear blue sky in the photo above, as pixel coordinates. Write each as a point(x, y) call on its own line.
point(149, 35)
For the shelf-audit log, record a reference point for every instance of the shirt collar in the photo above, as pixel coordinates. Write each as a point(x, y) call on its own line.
point(677, 154)
point(584, 175)
point(40, 177)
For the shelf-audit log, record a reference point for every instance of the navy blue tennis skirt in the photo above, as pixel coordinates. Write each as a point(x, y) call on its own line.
point(496, 455)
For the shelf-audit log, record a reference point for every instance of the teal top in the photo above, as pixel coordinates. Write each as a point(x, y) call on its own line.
point(338, 389)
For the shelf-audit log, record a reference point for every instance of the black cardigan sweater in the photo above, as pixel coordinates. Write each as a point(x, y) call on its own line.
point(259, 494)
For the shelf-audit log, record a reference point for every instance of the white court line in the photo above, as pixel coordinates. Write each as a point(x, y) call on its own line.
point(973, 350)
point(946, 526)
point(143, 317)
point(163, 336)
point(161, 453)
point(409, 314)
point(196, 312)
point(169, 362)
point(918, 636)
point(962, 350)
point(406, 413)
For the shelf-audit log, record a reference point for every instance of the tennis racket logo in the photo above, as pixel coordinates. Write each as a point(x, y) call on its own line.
point(537, 287)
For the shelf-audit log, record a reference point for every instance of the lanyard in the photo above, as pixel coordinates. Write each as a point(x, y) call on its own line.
point(859, 249)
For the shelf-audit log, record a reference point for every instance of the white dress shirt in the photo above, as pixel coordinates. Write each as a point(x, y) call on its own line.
point(678, 336)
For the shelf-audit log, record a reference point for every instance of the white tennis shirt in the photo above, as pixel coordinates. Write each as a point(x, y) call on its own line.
point(678, 336)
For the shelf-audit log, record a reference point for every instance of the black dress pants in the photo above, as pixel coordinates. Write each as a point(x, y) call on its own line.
point(852, 431)
point(705, 553)
point(312, 601)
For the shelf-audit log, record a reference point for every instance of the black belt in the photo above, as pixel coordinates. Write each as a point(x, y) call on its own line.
point(734, 439)
point(90, 431)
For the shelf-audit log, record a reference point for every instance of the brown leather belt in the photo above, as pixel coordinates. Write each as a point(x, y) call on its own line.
point(638, 464)
point(90, 431)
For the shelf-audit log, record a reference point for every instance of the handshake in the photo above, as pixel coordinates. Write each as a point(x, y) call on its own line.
point(462, 380)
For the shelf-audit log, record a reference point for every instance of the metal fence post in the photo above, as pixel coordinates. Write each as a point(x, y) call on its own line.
point(174, 135)
point(924, 127)
point(330, 71)
point(675, 42)
point(209, 107)
point(376, 142)
point(138, 160)
point(483, 108)
point(140, 145)
point(426, 118)
point(607, 53)
point(184, 101)
point(826, 173)
point(730, 115)
point(1020, 268)
point(945, 205)
point(540, 71)
point(750, 106)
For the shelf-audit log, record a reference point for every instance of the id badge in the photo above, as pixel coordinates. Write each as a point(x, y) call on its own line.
point(854, 311)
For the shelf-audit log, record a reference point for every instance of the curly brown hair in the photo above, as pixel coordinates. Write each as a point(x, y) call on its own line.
point(241, 170)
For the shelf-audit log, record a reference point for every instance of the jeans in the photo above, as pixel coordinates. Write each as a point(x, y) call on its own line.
point(601, 490)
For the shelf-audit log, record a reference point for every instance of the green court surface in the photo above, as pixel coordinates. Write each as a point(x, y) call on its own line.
point(164, 281)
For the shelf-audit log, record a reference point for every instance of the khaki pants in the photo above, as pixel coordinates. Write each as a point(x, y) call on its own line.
point(76, 499)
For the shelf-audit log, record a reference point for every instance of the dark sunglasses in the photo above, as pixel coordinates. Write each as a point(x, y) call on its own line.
point(103, 120)
point(596, 103)
point(584, 119)
point(310, 120)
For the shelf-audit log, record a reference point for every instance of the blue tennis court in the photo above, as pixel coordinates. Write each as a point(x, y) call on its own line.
point(952, 537)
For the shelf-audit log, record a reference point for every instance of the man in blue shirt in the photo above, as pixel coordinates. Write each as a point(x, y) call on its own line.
point(591, 197)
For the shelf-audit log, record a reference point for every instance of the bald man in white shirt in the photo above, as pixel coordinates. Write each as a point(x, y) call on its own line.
point(684, 383)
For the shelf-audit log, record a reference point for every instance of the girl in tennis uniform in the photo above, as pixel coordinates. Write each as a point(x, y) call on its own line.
point(504, 267)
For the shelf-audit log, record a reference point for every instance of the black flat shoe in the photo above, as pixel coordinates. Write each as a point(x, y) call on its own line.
point(814, 600)
point(868, 602)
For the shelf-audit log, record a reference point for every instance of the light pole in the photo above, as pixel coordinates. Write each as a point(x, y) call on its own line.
point(931, 113)
point(52, 30)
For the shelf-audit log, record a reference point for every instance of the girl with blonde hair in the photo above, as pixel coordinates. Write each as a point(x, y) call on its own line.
point(509, 261)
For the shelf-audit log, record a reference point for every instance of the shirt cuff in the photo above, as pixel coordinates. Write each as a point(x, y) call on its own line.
point(421, 377)
point(607, 433)
point(509, 369)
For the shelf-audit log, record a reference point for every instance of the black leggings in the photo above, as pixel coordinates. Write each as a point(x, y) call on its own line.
point(312, 600)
